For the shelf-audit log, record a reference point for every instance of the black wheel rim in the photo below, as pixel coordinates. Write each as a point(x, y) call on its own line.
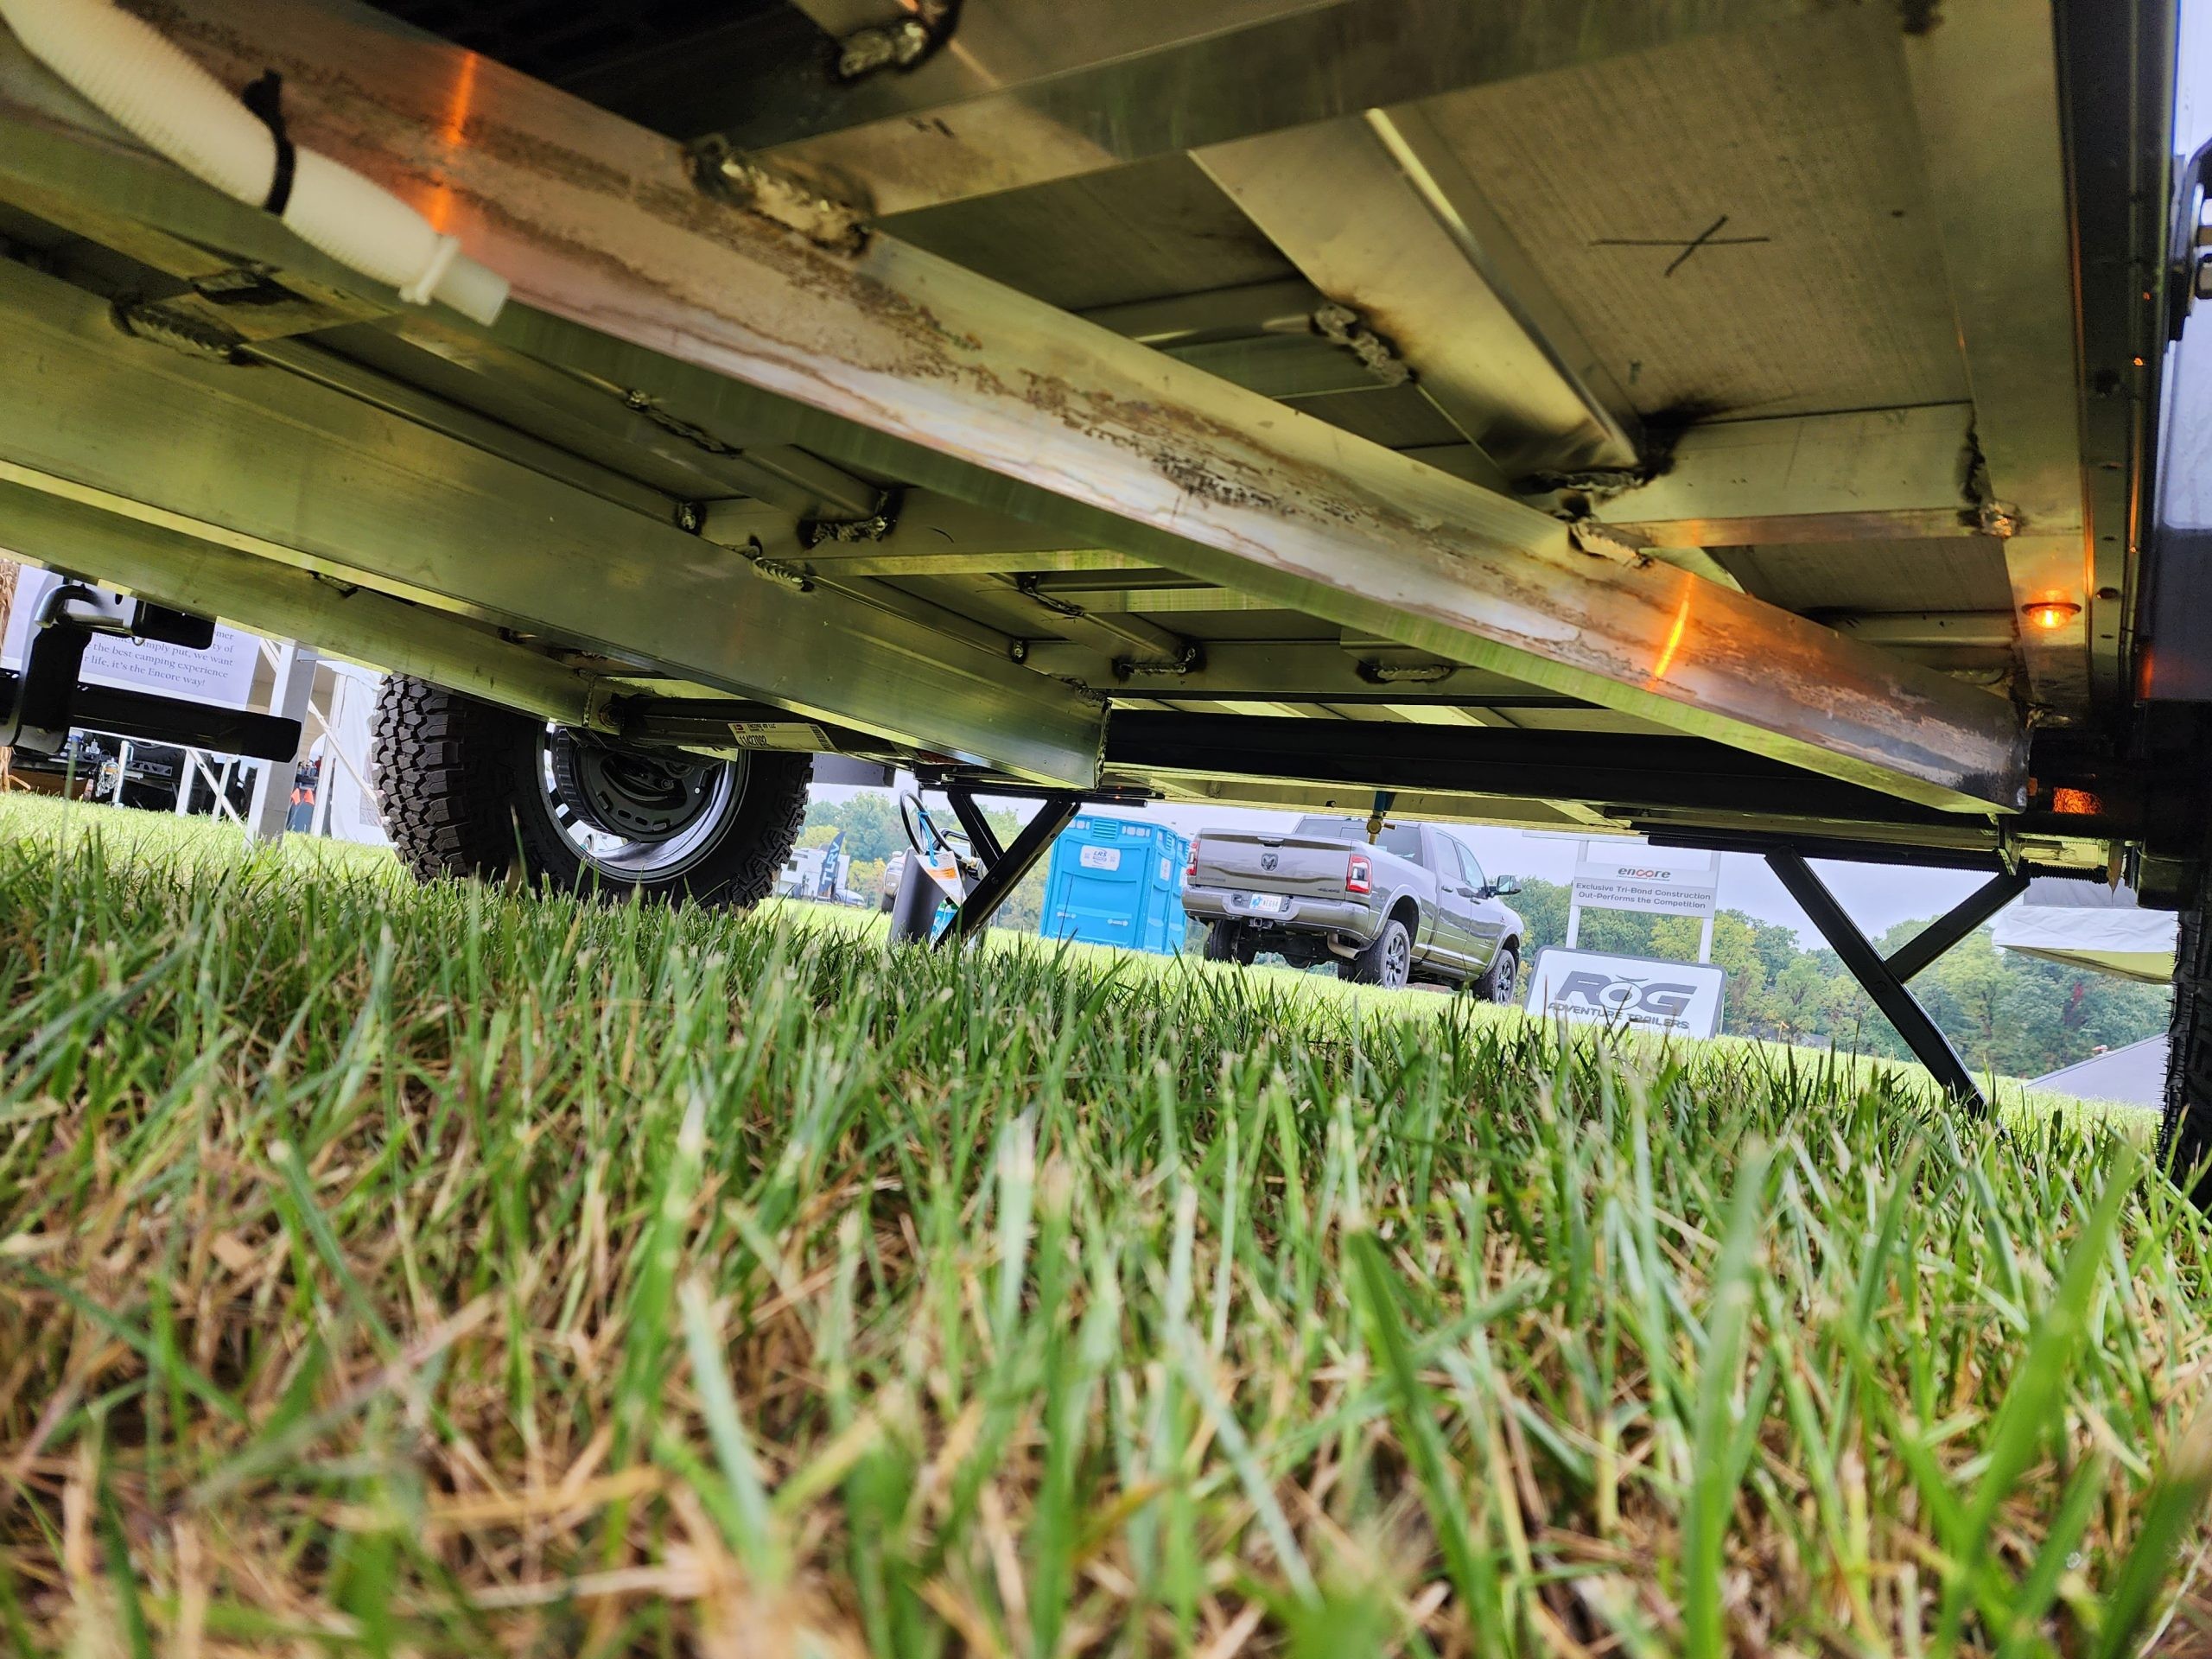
point(1503, 984)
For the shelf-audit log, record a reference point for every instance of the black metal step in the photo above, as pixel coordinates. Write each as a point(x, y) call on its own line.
point(147, 718)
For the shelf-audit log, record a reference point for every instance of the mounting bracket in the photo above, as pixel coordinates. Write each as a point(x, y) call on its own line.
point(39, 720)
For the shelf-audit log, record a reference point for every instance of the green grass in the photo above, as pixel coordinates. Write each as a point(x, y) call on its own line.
point(453, 1271)
point(2014, 1096)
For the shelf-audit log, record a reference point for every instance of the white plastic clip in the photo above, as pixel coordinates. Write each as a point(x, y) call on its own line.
point(419, 291)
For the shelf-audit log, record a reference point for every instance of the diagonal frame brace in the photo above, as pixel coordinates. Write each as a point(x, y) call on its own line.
point(1921, 950)
point(981, 836)
point(912, 917)
point(1016, 861)
point(1883, 978)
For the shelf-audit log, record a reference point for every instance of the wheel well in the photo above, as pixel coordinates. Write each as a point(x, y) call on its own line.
point(1510, 942)
point(1406, 911)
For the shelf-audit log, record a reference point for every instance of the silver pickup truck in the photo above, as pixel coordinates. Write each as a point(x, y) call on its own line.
point(1412, 904)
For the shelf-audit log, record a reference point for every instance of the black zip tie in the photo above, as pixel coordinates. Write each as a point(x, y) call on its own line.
point(264, 97)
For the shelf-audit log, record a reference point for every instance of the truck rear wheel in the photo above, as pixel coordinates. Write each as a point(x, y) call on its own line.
point(466, 788)
point(1389, 962)
point(1501, 981)
point(2186, 1142)
point(1230, 942)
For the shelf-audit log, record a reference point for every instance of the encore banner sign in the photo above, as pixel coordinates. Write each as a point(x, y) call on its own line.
point(1654, 884)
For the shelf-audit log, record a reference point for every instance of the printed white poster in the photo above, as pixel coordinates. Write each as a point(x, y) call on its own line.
point(1680, 998)
point(222, 674)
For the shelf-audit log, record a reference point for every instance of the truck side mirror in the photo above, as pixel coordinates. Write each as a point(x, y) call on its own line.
point(1505, 887)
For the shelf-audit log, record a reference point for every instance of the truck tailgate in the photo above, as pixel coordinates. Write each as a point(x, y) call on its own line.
point(1303, 865)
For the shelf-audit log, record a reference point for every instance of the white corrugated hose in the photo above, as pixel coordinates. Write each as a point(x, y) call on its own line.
point(147, 85)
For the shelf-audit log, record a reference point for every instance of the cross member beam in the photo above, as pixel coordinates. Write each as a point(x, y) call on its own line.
point(1626, 772)
point(1880, 474)
point(993, 396)
point(1028, 91)
point(109, 428)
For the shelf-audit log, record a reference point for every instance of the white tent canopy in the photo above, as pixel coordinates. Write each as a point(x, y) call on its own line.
point(2088, 924)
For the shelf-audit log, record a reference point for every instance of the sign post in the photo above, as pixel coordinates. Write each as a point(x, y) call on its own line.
point(272, 790)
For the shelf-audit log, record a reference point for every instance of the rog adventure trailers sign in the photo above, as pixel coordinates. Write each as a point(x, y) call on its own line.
point(1678, 999)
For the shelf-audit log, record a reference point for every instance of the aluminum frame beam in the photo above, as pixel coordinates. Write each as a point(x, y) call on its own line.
point(1029, 91)
point(926, 533)
point(92, 415)
point(1281, 306)
point(1302, 669)
point(1628, 773)
point(593, 415)
point(1427, 260)
point(1277, 796)
point(1873, 473)
point(2118, 80)
point(339, 618)
point(985, 393)
point(1985, 84)
point(845, 563)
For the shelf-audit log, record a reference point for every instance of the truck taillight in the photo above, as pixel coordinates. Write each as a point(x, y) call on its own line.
point(1190, 869)
point(1359, 875)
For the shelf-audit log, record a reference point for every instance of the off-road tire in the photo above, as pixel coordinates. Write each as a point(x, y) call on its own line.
point(1387, 961)
point(457, 788)
point(1230, 942)
point(1501, 981)
point(2186, 1137)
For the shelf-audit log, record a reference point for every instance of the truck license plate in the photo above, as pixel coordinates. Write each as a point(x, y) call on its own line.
point(1269, 904)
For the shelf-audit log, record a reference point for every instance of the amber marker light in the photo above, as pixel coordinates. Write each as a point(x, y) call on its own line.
point(2050, 612)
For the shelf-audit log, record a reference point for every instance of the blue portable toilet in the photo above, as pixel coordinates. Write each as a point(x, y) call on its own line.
point(1117, 881)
